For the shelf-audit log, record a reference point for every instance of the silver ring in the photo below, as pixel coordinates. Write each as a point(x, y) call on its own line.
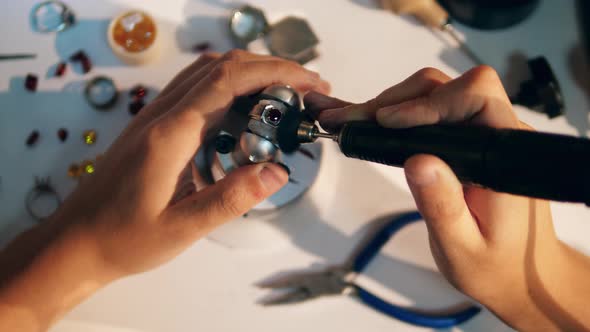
point(42, 188)
point(51, 16)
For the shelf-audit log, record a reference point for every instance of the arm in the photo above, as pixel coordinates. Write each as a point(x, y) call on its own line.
point(497, 248)
point(141, 208)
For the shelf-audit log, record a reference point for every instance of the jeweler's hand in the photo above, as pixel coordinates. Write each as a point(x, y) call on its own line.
point(141, 208)
point(498, 248)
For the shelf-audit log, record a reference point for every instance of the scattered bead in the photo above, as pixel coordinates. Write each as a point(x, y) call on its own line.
point(89, 137)
point(60, 69)
point(84, 60)
point(33, 138)
point(75, 171)
point(136, 106)
point(62, 134)
point(31, 82)
point(138, 91)
point(88, 166)
point(201, 47)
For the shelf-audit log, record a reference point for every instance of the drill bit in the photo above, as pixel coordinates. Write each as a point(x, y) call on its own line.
point(17, 56)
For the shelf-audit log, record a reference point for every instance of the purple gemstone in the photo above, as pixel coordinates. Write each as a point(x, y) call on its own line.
point(273, 116)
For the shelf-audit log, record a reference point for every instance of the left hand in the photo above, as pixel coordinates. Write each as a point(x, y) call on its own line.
point(141, 208)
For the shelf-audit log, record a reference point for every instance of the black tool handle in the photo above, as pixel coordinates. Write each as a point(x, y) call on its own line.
point(527, 163)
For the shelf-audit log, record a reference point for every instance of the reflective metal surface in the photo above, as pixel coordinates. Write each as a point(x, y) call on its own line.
point(247, 24)
point(51, 16)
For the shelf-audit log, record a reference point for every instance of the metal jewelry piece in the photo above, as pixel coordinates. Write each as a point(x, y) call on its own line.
point(42, 188)
point(248, 135)
point(101, 93)
point(291, 38)
point(51, 16)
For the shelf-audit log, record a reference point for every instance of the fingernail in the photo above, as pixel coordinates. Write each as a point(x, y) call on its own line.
point(271, 179)
point(421, 176)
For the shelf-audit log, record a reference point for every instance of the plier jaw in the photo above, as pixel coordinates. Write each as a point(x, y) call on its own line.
point(301, 287)
point(340, 280)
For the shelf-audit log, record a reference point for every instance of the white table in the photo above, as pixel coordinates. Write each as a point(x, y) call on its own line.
point(211, 287)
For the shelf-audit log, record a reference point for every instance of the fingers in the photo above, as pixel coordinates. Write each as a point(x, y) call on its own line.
point(439, 197)
point(316, 102)
point(417, 85)
point(187, 72)
point(229, 198)
point(477, 96)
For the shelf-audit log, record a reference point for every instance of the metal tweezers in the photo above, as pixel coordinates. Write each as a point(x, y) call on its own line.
point(16, 56)
point(340, 280)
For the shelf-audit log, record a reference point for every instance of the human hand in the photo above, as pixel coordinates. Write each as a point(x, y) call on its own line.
point(140, 205)
point(500, 249)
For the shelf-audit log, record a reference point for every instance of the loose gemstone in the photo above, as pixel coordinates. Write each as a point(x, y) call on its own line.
point(60, 69)
point(89, 137)
point(136, 106)
point(33, 138)
point(62, 134)
point(31, 82)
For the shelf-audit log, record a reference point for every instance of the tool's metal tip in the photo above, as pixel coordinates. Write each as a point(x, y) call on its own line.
point(326, 135)
point(17, 56)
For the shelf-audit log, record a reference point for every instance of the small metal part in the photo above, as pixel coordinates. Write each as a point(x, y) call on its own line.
point(256, 148)
point(89, 137)
point(17, 56)
point(292, 38)
point(271, 115)
point(101, 93)
point(307, 132)
point(225, 143)
point(247, 24)
point(62, 134)
point(31, 82)
point(33, 138)
point(51, 16)
point(333, 137)
point(60, 69)
point(42, 188)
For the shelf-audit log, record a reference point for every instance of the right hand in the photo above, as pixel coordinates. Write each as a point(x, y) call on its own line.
point(498, 248)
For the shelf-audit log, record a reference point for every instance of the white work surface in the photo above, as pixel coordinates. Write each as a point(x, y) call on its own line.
point(211, 287)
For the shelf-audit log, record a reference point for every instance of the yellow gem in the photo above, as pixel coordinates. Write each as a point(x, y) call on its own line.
point(88, 166)
point(89, 137)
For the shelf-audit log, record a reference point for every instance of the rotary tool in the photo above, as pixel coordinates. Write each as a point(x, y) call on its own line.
point(541, 165)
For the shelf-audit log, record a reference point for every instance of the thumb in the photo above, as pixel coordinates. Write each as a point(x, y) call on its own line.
point(230, 197)
point(439, 197)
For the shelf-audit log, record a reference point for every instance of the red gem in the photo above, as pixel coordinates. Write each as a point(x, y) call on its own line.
point(62, 134)
point(136, 106)
point(138, 91)
point(33, 138)
point(201, 47)
point(60, 69)
point(31, 82)
point(83, 59)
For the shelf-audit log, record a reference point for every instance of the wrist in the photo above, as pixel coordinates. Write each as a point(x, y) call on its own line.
point(53, 267)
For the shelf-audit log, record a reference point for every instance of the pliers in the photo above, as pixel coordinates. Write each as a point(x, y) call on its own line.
point(340, 280)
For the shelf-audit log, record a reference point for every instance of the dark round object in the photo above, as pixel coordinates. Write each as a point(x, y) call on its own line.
point(272, 116)
point(62, 134)
point(101, 93)
point(490, 14)
point(138, 91)
point(31, 82)
point(542, 91)
point(224, 143)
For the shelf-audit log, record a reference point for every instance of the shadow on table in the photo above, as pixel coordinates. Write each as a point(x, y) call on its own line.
point(425, 288)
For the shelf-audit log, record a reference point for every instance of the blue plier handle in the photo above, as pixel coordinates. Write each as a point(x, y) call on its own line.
point(412, 317)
